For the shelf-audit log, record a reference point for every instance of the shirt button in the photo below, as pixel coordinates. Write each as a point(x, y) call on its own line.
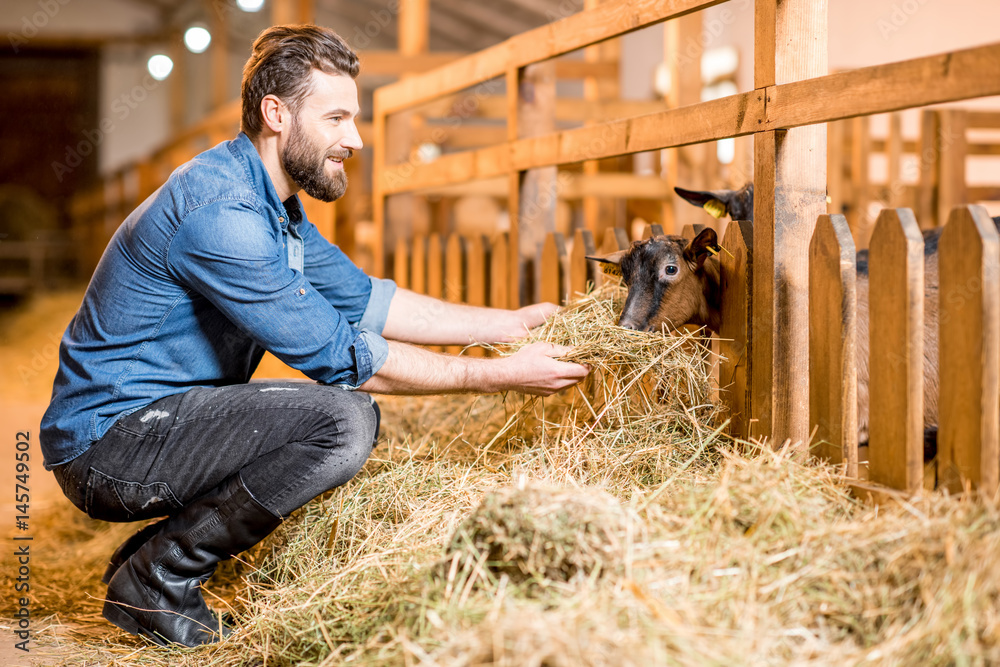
point(302, 290)
point(281, 219)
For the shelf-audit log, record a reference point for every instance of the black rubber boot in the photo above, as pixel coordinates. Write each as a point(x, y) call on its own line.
point(129, 547)
point(156, 592)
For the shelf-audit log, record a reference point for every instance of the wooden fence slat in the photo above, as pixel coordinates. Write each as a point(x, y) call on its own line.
point(401, 264)
point(651, 230)
point(734, 335)
point(968, 418)
point(896, 351)
point(499, 269)
point(580, 270)
point(435, 266)
point(477, 277)
point(691, 231)
point(552, 261)
point(454, 269)
point(615, 238)
point(454, 275)
point(418, 264)
point(435, 272)
point(833, 310)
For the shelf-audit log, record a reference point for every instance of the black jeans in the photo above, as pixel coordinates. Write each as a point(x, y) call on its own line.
point(289, 442)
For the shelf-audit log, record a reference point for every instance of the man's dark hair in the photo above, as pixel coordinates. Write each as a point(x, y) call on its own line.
point(281, 64)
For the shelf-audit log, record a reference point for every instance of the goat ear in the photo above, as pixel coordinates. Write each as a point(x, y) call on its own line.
point(705, 244)
point(610, 262)
point(716, 203)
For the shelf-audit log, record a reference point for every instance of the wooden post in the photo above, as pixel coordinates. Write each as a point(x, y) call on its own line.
point(292, 11)
point(581, 273)
point(553, 256)
point(894, 160)
point(536, 94)
point(401, 264)
point(401, 215)
point(380, 206)
point(218, 52)
point(953, 148)
point(896, 351)
point(836, 184)
point(928, 156)
point(734, 335)
point(178, 85)
point(968, 433)
point(682, 51)
point(500, 281)
point(598, 213)
point(860, 183)
point(512, 290)
point(789, 195)
point(833, 312)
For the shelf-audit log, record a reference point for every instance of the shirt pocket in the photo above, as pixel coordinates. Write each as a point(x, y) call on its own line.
point(113, 499)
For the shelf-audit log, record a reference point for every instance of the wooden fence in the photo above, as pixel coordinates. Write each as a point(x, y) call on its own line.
point(793, 98)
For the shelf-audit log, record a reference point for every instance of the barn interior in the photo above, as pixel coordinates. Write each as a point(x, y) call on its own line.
point(107, 97)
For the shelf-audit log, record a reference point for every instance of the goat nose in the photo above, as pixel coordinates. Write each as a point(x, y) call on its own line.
point(628, 324)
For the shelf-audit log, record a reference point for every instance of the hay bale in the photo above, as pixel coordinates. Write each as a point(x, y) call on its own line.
point(539, 533)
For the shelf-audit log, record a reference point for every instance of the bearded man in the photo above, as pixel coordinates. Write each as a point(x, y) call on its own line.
point(152, 413)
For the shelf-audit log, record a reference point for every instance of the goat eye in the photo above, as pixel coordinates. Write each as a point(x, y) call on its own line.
point(671, 270)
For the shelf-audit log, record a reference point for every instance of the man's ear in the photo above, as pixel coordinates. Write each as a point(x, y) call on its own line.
point(274, 113)
point(610, 262)
point(716, 203)
point(704, 245)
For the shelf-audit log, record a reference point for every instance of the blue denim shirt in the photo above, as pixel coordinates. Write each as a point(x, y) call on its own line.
point(203, 277)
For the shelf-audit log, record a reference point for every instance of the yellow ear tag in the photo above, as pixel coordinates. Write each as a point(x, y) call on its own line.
point(610, 269)
point(715, 208)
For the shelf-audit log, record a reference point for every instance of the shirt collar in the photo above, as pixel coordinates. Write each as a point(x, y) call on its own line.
point(247, 154)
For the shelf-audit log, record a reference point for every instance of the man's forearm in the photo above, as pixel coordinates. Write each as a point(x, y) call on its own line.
point(415, 318)
point(414, 370)
point(534, 369)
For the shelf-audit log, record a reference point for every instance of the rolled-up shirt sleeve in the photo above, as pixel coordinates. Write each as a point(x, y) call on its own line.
point(226, 253)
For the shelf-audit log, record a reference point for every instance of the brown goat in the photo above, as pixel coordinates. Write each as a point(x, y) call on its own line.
point(672, 282)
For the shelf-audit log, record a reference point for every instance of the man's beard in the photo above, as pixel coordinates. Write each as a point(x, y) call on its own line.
point(305, 163)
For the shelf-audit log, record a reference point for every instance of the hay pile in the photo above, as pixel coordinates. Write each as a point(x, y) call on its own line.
point(602, 527)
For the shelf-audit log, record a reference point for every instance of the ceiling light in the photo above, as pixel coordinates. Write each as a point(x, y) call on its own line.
point(159, 66)
point(250, 5)
point(197, 38)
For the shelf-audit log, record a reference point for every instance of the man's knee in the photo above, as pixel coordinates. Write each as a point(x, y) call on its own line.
point(353, 422)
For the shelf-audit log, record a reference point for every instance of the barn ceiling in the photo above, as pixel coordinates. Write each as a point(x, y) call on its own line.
point(455, 25)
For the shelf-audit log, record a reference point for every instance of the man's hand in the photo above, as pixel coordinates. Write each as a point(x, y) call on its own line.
point(534, 369)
